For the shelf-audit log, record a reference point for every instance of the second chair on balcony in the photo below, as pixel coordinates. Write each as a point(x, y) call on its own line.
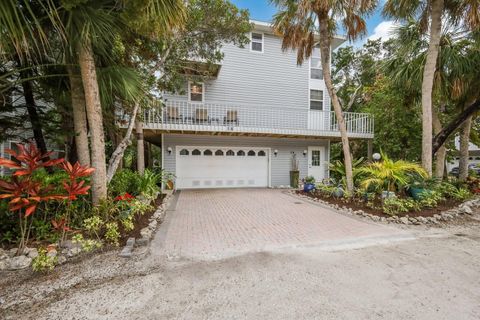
point(201, 116)
point(231, 117)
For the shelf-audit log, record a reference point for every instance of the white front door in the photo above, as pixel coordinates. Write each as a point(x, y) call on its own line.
point(316, 161)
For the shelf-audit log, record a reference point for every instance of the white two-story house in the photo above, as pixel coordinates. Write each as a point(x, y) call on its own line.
point(252, 121)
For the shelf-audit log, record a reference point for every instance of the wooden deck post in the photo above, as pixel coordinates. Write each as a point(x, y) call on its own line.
point(140, 147)
point(369, 149)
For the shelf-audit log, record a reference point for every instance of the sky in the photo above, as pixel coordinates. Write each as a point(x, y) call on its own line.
point(377, 25)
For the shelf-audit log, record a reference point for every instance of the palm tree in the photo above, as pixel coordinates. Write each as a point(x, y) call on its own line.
point(455, 74)
point(93, 27)
point(466, 11)
point(299, 22)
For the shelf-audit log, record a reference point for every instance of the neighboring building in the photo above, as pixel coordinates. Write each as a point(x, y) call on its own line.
point(257, 114)
point(473, 155)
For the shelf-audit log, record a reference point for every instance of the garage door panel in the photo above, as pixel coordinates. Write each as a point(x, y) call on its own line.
point(247, 167)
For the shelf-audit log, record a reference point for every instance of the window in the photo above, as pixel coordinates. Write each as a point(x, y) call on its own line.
point(241, 153)
point(219, 153)
point(316, 158)
point(184, 152)
point(251, 153)
point(256, 42)
point(230, 153)
point(316, 99)
point(207, 152)
point(196, 152)
point(261, 153)
point(195, 92)
point(316, 65)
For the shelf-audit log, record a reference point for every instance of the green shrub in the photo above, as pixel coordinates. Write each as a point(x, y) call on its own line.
point(148, 184)
point(125, 181)
point(310, 179)
point(394, 206)
point(93, 225)
point(87, 244)
point(461, 194)
point(112, 235)
point(43, 262)
point(430, 198)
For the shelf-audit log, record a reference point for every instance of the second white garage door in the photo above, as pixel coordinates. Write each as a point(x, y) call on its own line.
point(221, 167)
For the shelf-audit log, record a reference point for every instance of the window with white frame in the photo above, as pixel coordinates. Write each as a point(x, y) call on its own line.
point(316, 99)
point(316, 64)
point(256, 42)
point(195, 91)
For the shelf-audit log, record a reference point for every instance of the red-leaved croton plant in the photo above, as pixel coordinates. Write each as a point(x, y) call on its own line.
point(25, 193)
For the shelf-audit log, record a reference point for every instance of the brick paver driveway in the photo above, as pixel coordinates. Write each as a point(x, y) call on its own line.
point(223, 222)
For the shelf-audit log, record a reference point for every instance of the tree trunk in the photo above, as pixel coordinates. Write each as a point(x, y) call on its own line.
point(464, 142)
point(442, 151)
point(325, 44)
point(95, 121)
point(427, 83)
point(117, 155)
point(440, 138)
point(33, 114)
point(140, 147)
point(79, 117)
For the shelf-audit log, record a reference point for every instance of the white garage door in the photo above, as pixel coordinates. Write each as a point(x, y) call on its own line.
point(221, 167)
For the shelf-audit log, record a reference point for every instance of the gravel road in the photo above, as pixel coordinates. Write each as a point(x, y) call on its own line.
point(435, 276)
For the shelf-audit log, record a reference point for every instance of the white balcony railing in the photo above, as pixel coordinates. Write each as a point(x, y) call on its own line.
point(189, 116)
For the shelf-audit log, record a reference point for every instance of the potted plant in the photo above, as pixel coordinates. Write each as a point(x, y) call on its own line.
point(309, 184)
point(294, 173)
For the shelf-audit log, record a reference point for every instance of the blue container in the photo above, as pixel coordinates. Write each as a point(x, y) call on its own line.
point(416, 192)
point(308, 187)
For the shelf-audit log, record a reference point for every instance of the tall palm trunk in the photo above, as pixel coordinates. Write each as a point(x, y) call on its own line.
point(79, 117)
point(427, 83)
point(442, 152)
point(325, 44)
point(95, 121)
point(464, 142)
point(32, 111)
point(140, 147)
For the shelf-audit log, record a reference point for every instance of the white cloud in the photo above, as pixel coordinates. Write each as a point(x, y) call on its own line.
point(384, 30)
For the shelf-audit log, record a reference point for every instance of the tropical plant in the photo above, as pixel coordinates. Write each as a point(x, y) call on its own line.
point(309, 179)
point(43, 262)
point(389, 175)
point(300, 21)
point(394, 206)
point(338, 172)
point(26, 192)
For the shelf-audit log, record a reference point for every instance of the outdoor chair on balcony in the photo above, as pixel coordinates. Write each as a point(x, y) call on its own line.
point(173, 115)
point(201, 116)
point(231, 117)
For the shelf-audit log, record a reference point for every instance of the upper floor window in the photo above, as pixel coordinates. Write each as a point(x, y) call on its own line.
point(256, 42)
point(316, 99)
point(196, 91)
point(316, 65)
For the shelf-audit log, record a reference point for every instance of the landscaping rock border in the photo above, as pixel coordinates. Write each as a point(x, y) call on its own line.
point(465, 208)
point(148, 232)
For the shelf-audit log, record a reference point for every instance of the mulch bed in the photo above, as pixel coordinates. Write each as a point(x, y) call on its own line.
point(358, 204)
point(141, 221)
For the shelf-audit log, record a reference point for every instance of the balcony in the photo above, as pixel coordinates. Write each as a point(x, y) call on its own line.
point(189, 117)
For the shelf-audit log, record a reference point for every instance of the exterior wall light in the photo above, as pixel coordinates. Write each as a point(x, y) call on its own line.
point(169, 150)
point(376, 156)
point(305, 153)
point(275, 152)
